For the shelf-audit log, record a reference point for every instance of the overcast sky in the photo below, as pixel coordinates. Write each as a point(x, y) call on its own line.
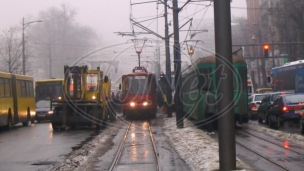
point(104, 16)
point(109, 16)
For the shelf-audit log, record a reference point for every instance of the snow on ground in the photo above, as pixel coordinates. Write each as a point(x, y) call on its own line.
point(276, 133)
point(79, 156)
point(196, 147)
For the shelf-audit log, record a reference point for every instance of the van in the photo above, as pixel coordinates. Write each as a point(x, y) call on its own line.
point(263, 90)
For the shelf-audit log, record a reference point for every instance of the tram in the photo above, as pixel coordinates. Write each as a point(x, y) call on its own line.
point(139, 96)
point(203, 73)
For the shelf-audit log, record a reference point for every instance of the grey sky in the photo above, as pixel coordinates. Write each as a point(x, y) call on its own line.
point(104, 16)
point(108, 16)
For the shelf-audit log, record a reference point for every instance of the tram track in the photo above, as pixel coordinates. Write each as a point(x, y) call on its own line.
point(280, 156)
point(125, 139)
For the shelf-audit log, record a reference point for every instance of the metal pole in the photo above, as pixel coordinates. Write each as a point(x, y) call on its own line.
point(50, 61)
point(23, 49)
point(223, 46)
point(168, 64)
point(177, 68)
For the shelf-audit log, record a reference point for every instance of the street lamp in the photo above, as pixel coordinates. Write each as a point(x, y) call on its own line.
point(24, 25)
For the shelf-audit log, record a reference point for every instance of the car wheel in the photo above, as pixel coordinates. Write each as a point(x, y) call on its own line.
point(260, 120)
point(302, 127)
point(278, 122)
point(9, 123)
point(266, 119)
point(269, 122)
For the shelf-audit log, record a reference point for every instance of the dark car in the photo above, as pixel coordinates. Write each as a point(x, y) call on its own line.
point(254, 101)
point(265, 105)
point(43, 110)
point(287, 107)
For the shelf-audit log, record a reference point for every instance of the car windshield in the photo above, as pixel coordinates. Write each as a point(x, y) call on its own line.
point(258, 97)
point(43, 104)
point(295, 98)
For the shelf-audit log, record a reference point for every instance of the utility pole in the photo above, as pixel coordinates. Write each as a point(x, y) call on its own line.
point(177, 68)
point(23, 49)
point(226, 120)
point(168, 63)
point(50, 61)
point(24, 25)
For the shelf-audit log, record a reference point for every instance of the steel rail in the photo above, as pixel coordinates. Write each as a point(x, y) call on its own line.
point(256, 153)
point(272, 142)
point(120, 148)
point(154, 147)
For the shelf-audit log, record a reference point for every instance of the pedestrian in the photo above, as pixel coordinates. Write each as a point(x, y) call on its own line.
point(209, 109)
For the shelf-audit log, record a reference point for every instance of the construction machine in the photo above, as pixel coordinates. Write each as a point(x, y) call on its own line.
point(84, 101)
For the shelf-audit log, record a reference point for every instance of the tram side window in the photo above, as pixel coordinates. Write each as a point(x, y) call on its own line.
point(2, 88)
point(153, 84)
point(7, 88)
point(204, 78)
point(194, 81)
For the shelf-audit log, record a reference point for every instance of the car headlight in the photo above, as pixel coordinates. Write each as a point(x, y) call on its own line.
point(145, 103)
point(132, 104)
point(93, 97)
point(59, 98)
point(50, 112)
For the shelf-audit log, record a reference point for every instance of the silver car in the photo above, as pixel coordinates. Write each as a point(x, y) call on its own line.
point(254, 100)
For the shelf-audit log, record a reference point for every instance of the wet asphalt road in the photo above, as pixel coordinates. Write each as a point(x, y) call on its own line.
point(37, 147)
point(288, 127)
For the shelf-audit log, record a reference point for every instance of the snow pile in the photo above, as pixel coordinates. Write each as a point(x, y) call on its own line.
point(79, 156)
point(195, 146)
point(276, 133)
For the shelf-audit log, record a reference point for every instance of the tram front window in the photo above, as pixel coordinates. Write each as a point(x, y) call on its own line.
point(138, 85)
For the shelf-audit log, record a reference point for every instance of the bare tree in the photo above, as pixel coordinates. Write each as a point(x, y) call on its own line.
point(288, 18)
point(60, 40)
point(10, 51)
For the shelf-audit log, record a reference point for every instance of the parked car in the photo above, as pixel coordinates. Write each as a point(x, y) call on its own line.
point(287, 107)
point(254, 100)
point(43, 110)
point(265, 105)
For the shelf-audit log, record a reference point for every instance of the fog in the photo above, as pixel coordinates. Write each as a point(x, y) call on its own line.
point(107, 18)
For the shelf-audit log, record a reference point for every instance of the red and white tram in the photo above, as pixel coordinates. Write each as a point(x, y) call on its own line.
point(139, 93)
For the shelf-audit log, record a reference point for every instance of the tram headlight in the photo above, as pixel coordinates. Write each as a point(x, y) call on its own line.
point(93, 97)
point(59, 98)
point(145, 103)
point(50, 112)
point(132, 104)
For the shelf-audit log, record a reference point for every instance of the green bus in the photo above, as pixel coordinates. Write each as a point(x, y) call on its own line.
point(203, 73)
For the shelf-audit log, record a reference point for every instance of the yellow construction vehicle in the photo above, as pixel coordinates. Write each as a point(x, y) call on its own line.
point(84, 101)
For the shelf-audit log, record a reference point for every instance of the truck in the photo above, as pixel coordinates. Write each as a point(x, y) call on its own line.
point(85, 99)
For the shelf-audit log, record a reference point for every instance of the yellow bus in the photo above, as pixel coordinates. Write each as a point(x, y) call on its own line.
point(48, 89)
point(17, 101)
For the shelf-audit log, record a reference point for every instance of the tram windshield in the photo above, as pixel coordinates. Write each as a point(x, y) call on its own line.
point(138, 85)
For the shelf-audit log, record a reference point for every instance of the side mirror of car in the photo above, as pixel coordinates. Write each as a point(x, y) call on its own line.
point(258, 103)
